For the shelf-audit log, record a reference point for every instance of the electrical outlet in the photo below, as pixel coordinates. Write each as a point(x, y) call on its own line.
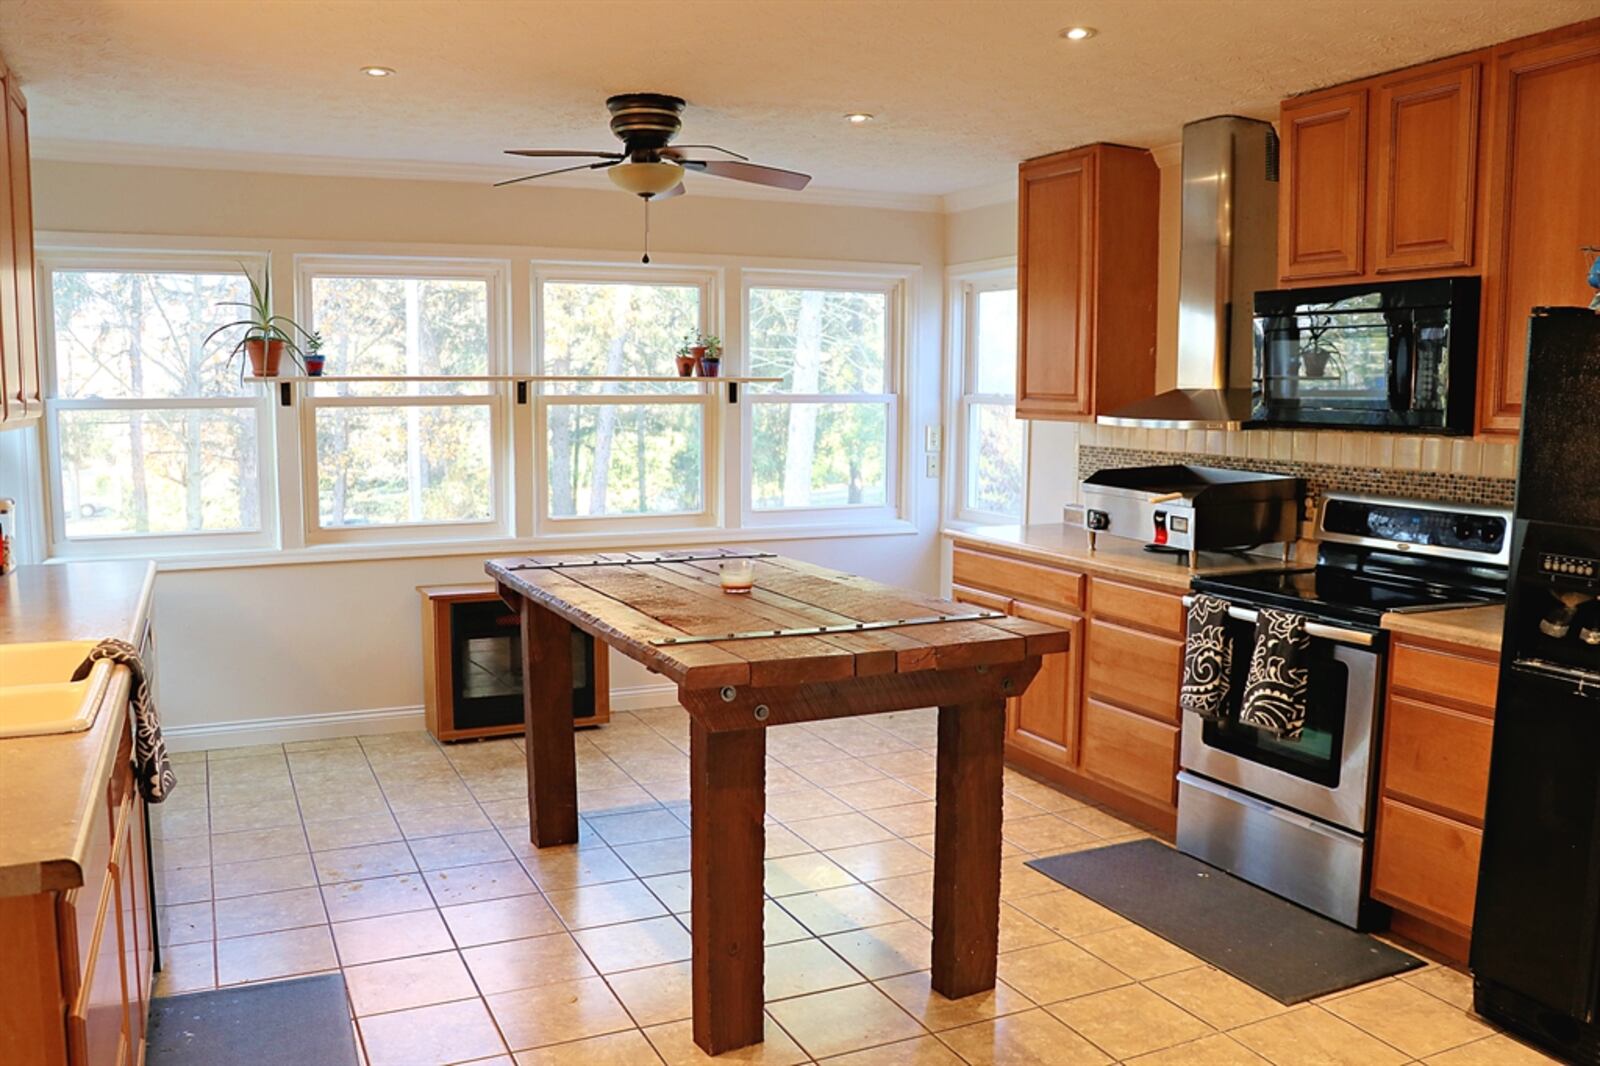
point(931, 467)
point(930, 434)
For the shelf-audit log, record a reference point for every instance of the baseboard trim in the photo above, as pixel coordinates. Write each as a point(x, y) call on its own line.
point(294, 727)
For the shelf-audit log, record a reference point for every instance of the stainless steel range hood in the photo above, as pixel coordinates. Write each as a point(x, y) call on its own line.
point(1229, 251)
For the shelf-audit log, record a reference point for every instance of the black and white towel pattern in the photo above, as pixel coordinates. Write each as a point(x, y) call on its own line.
point(152, 770)
point(1207, 659)
point(1275, 693)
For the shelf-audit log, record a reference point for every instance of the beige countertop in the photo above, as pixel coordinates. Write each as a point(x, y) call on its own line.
point(1112, 556)
point(1471, 627)
point(48, 785)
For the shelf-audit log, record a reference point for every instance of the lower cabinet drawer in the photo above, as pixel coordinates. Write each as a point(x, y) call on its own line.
point(1160, 611)
point(1426, 864)
point(1017, 577)
point(1437, 757)
point(1139, 671)
point(1130, 751)
point(1443, 675)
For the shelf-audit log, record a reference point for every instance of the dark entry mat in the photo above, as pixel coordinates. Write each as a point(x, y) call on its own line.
point(300, 1022)
point(1278, 947)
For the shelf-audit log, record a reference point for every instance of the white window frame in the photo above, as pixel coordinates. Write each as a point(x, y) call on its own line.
point(896, 288)
point(60, 545)
point(709, 281)
point(496, 396)
point(965, 285)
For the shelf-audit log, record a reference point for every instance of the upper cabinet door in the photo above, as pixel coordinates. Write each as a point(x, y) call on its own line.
point(1321, 215)
point(23, 394)
point(1544, 160)
point(1055, 249)
point(1425, 148)
point(10, 338)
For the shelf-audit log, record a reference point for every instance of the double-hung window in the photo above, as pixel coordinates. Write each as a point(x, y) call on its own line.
point(823, 442)
point(618, 453)
point(404, 459)
point(991, 448)
point(151, 436)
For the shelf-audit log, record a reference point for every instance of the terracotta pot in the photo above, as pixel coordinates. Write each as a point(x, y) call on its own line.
point(686, 365)
point(708, 367)
point(264, 356)
point(697, 350)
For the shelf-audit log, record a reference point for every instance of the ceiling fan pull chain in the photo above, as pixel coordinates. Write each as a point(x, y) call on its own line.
point(646, 200)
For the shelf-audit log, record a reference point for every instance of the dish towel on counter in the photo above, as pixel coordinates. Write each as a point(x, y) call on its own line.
point(1207, 659)
point(151, 767)
point(1275, 693)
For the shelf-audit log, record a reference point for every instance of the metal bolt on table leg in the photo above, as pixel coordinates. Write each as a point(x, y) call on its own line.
point(729, 694)
point(761, 712)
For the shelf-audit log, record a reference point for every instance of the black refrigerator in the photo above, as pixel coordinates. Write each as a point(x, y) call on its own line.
point(1536, 933)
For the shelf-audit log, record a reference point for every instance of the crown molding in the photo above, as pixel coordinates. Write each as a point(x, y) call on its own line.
point(139, 155)
point(999, 192)
point(1167, 154)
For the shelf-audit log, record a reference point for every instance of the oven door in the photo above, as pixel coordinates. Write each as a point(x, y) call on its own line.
point(1327, 772)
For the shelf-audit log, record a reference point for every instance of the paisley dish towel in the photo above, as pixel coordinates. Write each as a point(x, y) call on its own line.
point(152, 770)
point(1275, 693)
point(1207, 659)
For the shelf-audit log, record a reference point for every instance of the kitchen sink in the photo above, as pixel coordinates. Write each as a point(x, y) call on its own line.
point(37, 695)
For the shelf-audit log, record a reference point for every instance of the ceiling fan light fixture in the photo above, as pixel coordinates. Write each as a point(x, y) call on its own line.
point(645, 179)
point(377, 72)
point(858, 118)
point(1079, 33)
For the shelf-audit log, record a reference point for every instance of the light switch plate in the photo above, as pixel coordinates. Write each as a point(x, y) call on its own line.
point(932, 467)
point(930, 435)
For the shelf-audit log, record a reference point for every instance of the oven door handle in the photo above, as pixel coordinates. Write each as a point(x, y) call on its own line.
point(1313, 629)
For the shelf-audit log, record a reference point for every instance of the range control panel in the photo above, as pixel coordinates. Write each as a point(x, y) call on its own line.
point(1568, 565)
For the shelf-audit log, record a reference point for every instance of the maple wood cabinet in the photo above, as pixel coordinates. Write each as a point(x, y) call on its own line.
point(20, 398)
point(1322, 186)
point(1086, 281)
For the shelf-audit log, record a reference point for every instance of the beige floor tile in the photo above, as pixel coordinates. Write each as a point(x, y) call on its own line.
point(1497, 1050)
point(1069, 914)
point(363, 862)
point(844, 1019)
point(557, 1013)
point(923, 1051)
point(441, 821)
point(652, 857)
point(1045, 834)
point(258, 844)
point(885, 950)
point(835, 910)
point(186, 923)
point(1408, 1018)
point(802, 967)
point(912, 893)
point(255, 816)
point(459, 849)
point(1128, 1021)
point(512, 964)
point(620, 799)
point(262, 875)
point(675, 1044)
point(1445, 982)
point(1032, 1038)
point(632, 945)
point(569, 866)
point(1218, 1050)
point(269, 912)
point(1137, 952)
point(907, 820)
point(779, 926)
point(627, 1048)
point(400, 984)
point(1018, 931)
point(882, 859)
point(781, 842)
point(271, 955)
point(803, 803)
point(1310, 1036)
point(673, 890)
point(187, 968)
point(475, 884)
point(914, 992)
point(352, 832)
point(431, 1036)
point(656, 995)
point(841, 771)
point(1217, 998)
point(808, 872)
point(605, 904)
point(637, 826)
point(1057, 971)
point(1100, 823)
point(871, 795)
point(1018, 880)
point(511, 918)
point(391, 936)
point(349, 900)
point(175, 853)
point(839, 831)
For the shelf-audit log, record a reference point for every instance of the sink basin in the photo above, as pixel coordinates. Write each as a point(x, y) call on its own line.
point(36, 696)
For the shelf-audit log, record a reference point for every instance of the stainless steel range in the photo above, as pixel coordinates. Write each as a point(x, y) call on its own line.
point(1295, 816)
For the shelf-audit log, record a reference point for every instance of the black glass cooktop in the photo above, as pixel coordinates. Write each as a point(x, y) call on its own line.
point(1337, 594)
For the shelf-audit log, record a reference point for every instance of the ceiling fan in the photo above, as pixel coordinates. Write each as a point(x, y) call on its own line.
point(648, 166)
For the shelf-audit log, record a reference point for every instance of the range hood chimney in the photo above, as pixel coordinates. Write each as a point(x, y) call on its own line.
point(1229, 251)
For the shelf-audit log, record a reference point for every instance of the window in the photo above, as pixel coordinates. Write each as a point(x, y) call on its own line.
point(826, 436)
point(388, 455)
point(613, 449)
point(151, 432)
point(992, 444)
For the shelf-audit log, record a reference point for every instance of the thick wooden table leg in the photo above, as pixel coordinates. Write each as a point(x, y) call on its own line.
point(727, 797)
point(547, 709)
point(966, 849)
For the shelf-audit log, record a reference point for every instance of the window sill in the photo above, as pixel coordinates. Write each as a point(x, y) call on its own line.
point(488, 548)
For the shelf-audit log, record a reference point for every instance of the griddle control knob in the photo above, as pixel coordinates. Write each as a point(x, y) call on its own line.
point(1096, 520)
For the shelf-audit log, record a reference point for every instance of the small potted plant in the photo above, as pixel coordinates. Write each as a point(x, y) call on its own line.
point(686, 357)
point(266, 336)
point(313, 357)
point(710, 355)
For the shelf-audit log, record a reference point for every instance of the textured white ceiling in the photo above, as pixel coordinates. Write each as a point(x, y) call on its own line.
point(962, 88)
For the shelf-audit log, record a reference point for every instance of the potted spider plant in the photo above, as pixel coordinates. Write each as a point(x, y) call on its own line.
point(266, 336)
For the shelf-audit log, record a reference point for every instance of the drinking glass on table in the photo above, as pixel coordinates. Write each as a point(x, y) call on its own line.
point(737, 575)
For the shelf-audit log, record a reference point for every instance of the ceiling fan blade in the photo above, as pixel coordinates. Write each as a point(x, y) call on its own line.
point(751, 172)
point(562, 170)
point(676, 190)
point(678, 151)
point(556, 153)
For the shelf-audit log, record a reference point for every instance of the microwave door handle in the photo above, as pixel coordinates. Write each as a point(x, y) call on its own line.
point(1313, 629)
point(1402, 364)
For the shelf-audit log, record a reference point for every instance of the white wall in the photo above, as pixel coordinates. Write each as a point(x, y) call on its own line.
point(243, 647)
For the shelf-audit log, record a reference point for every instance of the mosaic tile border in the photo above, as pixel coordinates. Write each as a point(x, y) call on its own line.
point(1319, 477)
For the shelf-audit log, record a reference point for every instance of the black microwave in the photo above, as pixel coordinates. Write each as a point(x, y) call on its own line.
point(1399, 356)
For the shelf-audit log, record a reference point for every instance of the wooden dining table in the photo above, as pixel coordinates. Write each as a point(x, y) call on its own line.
point(805, 644)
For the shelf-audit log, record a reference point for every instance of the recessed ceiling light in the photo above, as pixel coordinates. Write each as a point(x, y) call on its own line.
point(377, 72)
point(858, 118)
point(1079, 33)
